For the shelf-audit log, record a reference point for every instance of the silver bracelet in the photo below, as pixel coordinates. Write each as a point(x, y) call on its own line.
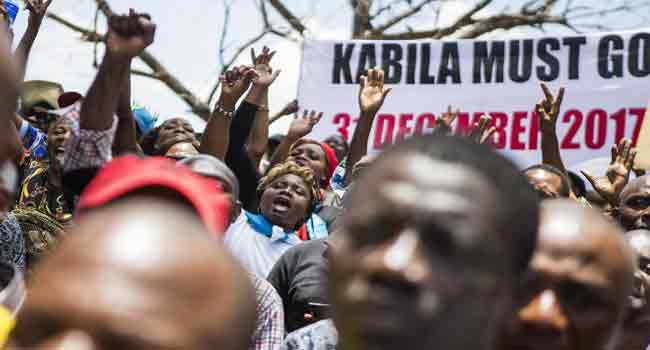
point(227, 114)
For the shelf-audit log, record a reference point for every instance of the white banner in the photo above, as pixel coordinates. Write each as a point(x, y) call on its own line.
point(605, 75)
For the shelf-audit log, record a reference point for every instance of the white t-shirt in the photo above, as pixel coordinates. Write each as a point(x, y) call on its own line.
point(258, 251)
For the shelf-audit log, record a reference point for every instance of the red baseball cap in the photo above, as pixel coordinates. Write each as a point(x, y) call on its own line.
point(128, 174)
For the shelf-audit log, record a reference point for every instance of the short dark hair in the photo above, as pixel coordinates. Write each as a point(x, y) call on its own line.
point(518, 217)
point(565, 185)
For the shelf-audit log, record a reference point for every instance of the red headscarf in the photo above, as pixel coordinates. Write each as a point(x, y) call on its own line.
point(330, 155)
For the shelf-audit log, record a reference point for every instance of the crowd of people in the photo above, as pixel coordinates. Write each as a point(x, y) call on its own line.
point(119, 234)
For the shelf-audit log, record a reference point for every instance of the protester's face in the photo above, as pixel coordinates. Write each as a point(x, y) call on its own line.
point(634, 207)
point(285, 201)
point(545, 183)
point(639, 301)
point(339, 146)
point(310, 155)
point(58, 133)
point(417, 259)
point(574, 293)
point(175, 131)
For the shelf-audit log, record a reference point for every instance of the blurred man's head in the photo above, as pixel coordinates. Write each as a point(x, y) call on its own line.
point(579, 279)
point(158, 179)
point(138, 275)
point(548, 182)
point(636, 327)
point(437, 233)
point(634, 205)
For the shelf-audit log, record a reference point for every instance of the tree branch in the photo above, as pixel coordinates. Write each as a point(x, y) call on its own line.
point(293, 21)
point(406, 14)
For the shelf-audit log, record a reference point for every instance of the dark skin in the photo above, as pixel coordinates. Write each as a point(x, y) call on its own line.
point(339, 146)
point(115, 285)
point(577, 285)
point(8, 98)
point(417, 257)
point(634, 205)
point(312, 156)
point(286, 201)
point(57, 134)
point(547, 184)
point(636, 326)
point(177, 131)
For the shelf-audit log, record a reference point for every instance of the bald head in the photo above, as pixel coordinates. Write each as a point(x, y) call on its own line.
point(580, 277)
point(140, 275)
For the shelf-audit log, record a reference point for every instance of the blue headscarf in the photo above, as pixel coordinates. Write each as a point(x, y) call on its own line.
point(12, 8)
point(145, 120)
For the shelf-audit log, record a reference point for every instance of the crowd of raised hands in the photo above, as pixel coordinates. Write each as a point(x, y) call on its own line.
point(118, 234)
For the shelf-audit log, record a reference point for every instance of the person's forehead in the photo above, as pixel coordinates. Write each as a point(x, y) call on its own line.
point(579, 250)
point(416, 184)
point(414, 171)
point(291, 179)
point(543, 175)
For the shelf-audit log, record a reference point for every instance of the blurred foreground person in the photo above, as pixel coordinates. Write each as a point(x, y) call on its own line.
point(138, 275)
point(438, 233)
point(579, 280)
point(12, 297)
point(636, 327)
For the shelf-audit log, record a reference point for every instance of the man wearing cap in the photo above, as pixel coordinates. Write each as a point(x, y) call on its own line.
point(141, 273)
point(39, 100)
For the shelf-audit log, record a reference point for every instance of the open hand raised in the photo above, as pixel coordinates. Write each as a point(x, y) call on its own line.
point(611, 185)
point(302, 126)
point(372, 92)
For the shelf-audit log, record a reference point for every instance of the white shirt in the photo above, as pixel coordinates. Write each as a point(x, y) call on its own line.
point(255, 250)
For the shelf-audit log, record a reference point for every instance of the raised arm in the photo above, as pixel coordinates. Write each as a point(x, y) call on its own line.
point(125, 135)
point(216, 138)
point(548, 112)
point(372, 94)
point(259, 136)
point(291, 108)
point(127, 37)
point(9, 149)
point(37, 10)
